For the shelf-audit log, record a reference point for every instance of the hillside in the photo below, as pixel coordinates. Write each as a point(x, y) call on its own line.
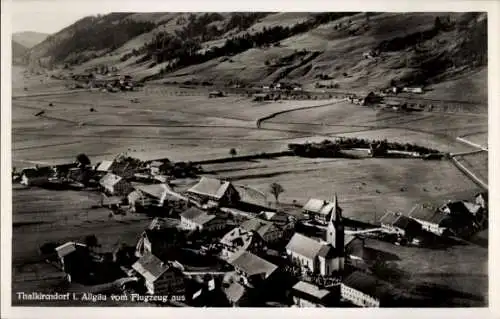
point(345, 51)
point(29, 39)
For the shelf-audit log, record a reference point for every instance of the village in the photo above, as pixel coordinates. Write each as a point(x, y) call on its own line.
point(212, 242)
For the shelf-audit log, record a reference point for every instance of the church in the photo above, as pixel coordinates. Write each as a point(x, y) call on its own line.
point(324, 258)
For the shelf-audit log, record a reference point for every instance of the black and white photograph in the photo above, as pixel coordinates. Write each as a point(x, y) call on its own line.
point(277, 159)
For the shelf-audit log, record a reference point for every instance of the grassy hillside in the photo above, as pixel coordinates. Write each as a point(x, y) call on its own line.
point(346, 51)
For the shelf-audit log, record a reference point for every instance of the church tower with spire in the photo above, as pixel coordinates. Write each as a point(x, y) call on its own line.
point(335, 232)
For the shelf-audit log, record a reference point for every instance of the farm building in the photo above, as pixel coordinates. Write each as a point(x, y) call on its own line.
point(397, 223)
point(413, 90)
point(462, 209)
point(149, 195)
point(104, 166)
point(115, 185)
point(36, 176)
point(214, 192)
point(252, 269)
point(238, 240)
point(307, 295)
point(431, 218)
point(319, 210)
point(269, 232)
point(157, 241)
point(160, 277)
point(196, 219)
point(365, 290)
point(236, 293)
point(74, 259)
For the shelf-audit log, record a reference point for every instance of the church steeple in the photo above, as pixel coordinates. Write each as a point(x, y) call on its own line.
point(335, 229)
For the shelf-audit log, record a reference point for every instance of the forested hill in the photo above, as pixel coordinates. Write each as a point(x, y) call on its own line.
point(341, 50)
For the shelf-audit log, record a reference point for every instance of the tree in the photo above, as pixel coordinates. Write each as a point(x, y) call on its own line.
point(91, 241)
point(276, 189)
point(232, 152)
point(82, 160)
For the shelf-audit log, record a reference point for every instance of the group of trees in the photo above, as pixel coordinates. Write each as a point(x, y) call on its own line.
point(182, 51)
point(329, 148)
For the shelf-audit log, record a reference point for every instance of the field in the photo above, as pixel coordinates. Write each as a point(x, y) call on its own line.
point(477, 163)
point(183, 124)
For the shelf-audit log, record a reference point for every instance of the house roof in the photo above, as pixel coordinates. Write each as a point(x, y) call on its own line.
point(395, 219)
point(257, 225)
point(238, 238)
point(471, 207)
point(210, 187)
point(319, 206)
point(251, 196)
point(150, 267)
point(367, 284)
point(483, 195)
point(109, 180)
point(306, 246)
point(67, 248)
point(310, 290)
point(104, 166)
point(154, 190)
point(428, 213)
point(198, 216)
point(252, 264)
point(235, 292)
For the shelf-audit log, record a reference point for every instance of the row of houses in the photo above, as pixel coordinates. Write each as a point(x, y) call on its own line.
point(449, 218)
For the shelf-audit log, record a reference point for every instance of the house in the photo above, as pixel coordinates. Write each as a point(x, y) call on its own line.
point(73, 259)
point(155, 167)
point(160, 277)
point(253, 269)
point(238, 240)
point(196, 219)
point(115, 185)
point(307, 295)
point(413, 90)
point(399, 224)
point(364, 290)
point(318, 210)
point(151, 194)
point(267, 230)
point(215, 192)
point(36, 176)
point(431, 218)
point(158, 242)
point(464, 214)
point(481, 199)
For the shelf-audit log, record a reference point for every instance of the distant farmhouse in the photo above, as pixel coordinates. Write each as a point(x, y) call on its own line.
point(36, 176)
point(238, 240)
point(115, 185)
point(400, 225)
point(319, 210)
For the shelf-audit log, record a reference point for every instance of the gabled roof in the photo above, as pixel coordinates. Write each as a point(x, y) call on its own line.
point(306, 246)
point(67, 248)
point(104, 166)
point(109, 180)
point(428, 213)
point(198, 216)
point(238, 238)
point(395, 219)
point(483, 195)
point(462, 208)
point(154, 190)
point(210, 187)
point(306, 289)
point(251, 196)
point(258, 225)
point(235, 292)
point(315, 205)
point(252, 264)
point(367, 284)
point(150, 267)
point(471, 207)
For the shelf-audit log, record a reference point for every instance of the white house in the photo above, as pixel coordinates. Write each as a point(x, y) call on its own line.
point(195, 218)
point(160, 277)
point(364, 290)
point(115, 185)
